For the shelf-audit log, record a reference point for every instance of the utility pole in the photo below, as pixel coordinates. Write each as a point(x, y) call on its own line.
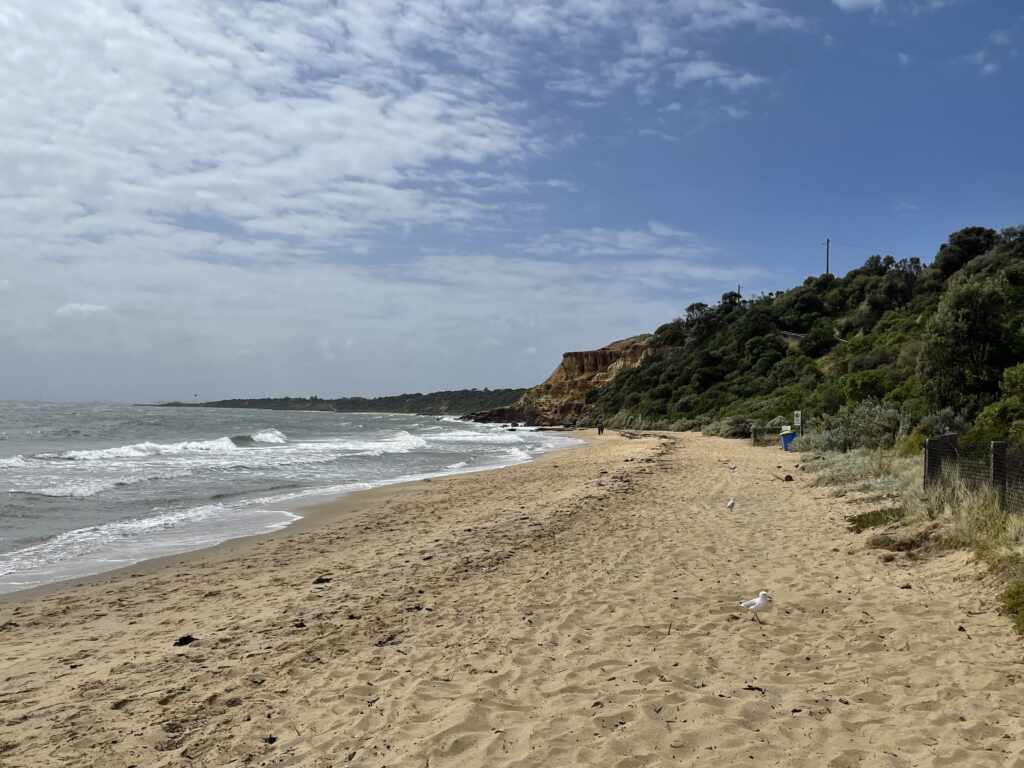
point(828, 255)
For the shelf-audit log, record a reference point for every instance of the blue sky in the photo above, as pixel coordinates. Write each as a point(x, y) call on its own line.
point(309, 196)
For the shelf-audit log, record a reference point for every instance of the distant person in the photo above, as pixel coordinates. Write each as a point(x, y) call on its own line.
point(600, 427)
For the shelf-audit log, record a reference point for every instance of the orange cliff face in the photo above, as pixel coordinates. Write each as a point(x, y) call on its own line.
point(561, 399)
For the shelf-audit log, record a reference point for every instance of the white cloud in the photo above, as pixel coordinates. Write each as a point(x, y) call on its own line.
point(736, 113)
point(81, 309)
point(912, 7)
point(986, 60)
point(927, 6)
point(712, 72)
point(651, 38)
point(659, 48)
point(304, 119)
point(860, 5)
point(273, 120)
point(658, 249)
point(656, 133)
point(580, 83)
point(1000, 37)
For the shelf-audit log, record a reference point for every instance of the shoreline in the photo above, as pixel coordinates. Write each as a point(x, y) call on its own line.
point(579, 610)
point(316, 511)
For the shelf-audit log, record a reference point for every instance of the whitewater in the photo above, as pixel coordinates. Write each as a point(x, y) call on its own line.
point(89, 488)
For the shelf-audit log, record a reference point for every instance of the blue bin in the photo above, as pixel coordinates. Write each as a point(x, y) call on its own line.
point(786, 439)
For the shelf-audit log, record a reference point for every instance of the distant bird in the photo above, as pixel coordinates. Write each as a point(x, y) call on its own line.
point(730, 504)
point(763, 602)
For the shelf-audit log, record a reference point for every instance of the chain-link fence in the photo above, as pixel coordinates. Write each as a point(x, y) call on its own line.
point(995, 465)
point(1013, 482)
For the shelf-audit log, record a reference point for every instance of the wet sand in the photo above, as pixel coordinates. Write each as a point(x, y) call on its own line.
point(578, 610)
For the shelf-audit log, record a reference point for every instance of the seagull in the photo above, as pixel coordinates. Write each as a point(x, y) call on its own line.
point(730, 504)
point(763, 602)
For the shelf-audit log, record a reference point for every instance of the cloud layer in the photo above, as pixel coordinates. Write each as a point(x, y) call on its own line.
point(255, 195)
point(306, 122)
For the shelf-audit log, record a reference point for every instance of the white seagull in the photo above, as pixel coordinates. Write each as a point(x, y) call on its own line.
point(730, 504)
point(763, 602)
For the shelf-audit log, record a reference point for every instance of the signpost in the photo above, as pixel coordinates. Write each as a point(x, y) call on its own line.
point(798, 422)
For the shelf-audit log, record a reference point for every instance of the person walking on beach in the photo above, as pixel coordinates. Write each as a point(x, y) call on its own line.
point(600, 427)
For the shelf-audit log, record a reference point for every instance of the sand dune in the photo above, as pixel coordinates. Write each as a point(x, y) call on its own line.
point(580, 610)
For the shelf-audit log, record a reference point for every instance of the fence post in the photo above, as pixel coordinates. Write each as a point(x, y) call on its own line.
point(997, 471)
point(926, 480)
point(932, 460)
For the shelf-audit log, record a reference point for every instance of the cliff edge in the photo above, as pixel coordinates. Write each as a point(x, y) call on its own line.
point(561, 399)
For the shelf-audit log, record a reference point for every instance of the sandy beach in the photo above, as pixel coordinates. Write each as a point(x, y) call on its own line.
point(577, 610)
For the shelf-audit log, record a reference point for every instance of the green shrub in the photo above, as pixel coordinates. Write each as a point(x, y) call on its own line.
point(819, 340)
point(910, 445)
point(1012, 599)
point(731, 426)
point(868, 424)
point(943, 422)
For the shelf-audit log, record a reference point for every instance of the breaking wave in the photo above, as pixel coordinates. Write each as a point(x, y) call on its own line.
point(83, 488)
point(265, 436)
point(145, 450)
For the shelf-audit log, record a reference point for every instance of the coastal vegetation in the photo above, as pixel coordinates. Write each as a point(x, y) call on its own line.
point(886, 355)
point(908, 520)
point(452, 403)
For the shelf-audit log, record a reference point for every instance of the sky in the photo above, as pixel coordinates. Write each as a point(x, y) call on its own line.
point(248, 197)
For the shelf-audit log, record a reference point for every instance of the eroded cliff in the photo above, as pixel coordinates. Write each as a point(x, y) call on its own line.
point(561, 399)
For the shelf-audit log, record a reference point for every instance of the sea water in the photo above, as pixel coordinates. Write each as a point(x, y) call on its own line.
point(89, 488)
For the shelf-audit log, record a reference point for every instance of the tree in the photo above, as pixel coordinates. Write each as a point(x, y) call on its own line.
point(696, 311)
point(873, 384)
point(820, 339)
point(801, 308)
point(964, 245)
point(1005, 417)
point(968, 343)
point(730, 299)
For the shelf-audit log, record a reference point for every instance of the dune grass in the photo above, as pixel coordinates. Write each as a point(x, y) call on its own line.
point(951, 515)
point(874, 518)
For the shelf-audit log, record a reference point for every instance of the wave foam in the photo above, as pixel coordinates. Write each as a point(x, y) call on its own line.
point(80, 490)
point(274, 436)
point(266, 436)
point(470, 436)
point(145, 450)
point(84, 488)
point(402, 442)
point(142, 533)
point(14, 461)
point(519, 455)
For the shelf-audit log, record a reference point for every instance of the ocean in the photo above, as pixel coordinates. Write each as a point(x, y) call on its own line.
point(89, 488)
